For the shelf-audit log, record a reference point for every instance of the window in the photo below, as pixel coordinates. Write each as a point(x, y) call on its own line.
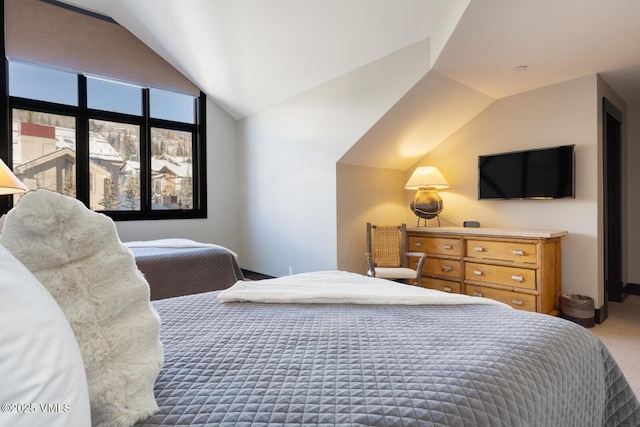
point(44, 147)
point(114, 96)
point(128, 151)
point(172, 106)
point(171, 154)
point(42, 83)
point(113, 149)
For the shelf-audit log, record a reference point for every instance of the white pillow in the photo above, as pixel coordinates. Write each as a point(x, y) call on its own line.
point(42, 376)
point(77, 255)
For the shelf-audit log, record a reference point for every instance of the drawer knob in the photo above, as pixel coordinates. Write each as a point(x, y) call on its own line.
point(519, 252)
point(517, 302)
point(477, 294)
point(447, 268)
point(478, 249)
point(446, 289)
point(448, 247)
point(417, 244)
point(477, 272)
point(517, 278)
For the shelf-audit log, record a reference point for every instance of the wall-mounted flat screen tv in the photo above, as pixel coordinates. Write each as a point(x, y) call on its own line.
point(547, 173)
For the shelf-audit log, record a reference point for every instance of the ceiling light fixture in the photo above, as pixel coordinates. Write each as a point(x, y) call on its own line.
point(520, 68)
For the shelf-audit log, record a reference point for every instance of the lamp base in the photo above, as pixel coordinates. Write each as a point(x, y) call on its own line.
point(426, 204)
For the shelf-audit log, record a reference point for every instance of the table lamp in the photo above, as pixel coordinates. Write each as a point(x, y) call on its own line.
point(427, 203)
point(9, 183)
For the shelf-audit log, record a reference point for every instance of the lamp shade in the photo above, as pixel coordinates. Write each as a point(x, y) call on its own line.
point(9, 183)
point(426, 177)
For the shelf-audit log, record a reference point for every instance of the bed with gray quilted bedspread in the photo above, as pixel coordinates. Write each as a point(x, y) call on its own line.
point(241, 364)
point(173, 272)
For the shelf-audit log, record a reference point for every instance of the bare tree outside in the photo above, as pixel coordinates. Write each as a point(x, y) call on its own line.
point(131, 193)
point(110, 201)
point(185, 197)
point(69, 188)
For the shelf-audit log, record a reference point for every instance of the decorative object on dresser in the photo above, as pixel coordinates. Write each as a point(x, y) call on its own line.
point(521, 268)
point(427, 203)
point(387, 255)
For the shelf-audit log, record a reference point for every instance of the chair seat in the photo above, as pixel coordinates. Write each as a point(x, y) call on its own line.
point(387, 255)
point(395, 273)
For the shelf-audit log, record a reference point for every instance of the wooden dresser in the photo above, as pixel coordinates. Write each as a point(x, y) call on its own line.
point(521, 268)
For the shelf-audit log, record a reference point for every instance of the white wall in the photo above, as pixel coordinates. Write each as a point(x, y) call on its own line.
point(222, 198)
point(561, 114)
point(365, 194)
point(288, 156)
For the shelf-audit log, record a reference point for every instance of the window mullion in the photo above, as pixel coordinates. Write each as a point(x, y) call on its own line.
point(5, 125)
point(82, 143)
point(199, 167)
point(145, 154)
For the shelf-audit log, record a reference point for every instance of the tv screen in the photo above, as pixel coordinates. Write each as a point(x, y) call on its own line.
point(546, 173)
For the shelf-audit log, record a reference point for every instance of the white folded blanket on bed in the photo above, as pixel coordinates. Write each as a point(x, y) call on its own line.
point(341, 287)
point(173, 243)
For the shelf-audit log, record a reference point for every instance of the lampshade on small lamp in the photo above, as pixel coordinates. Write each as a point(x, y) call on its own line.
point(9, 183)
point(427, 203)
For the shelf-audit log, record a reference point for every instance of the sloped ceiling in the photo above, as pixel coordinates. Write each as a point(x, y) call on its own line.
point(557, 41)
point(483, 60)
point(429, 113)
point(250, 54)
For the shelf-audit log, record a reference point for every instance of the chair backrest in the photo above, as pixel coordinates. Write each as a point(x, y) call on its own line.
point(387, 244)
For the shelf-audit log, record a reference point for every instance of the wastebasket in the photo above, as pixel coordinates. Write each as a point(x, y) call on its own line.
point(578, 309)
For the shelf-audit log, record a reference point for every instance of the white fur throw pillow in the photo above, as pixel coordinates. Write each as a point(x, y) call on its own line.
point(77, 255)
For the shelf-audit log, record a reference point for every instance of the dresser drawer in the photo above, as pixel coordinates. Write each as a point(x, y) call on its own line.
point(514, 299)
point(441, 267)
point(510, 276)
point(435, 245)
point(440, 285)
point(503, 251)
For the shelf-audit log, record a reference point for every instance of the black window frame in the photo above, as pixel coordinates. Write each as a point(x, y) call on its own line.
point(83, 115)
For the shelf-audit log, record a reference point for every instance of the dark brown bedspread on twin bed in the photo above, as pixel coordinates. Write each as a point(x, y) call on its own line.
point(173, 272)
point(256, 364)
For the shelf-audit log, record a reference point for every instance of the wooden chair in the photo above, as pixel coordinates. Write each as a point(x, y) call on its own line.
point(387, 255)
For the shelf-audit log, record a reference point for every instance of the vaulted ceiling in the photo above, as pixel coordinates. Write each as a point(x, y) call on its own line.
point(248, 55)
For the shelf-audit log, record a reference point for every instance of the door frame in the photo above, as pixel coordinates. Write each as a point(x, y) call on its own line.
point(612, 120)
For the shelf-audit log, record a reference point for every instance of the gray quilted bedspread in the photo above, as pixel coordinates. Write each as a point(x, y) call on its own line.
point(248, 364)
point(173, 272)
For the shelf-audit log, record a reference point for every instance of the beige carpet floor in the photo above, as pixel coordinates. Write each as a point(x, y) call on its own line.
point(620, 332)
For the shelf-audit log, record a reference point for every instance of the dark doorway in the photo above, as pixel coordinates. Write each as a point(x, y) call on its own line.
point(612, 158)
